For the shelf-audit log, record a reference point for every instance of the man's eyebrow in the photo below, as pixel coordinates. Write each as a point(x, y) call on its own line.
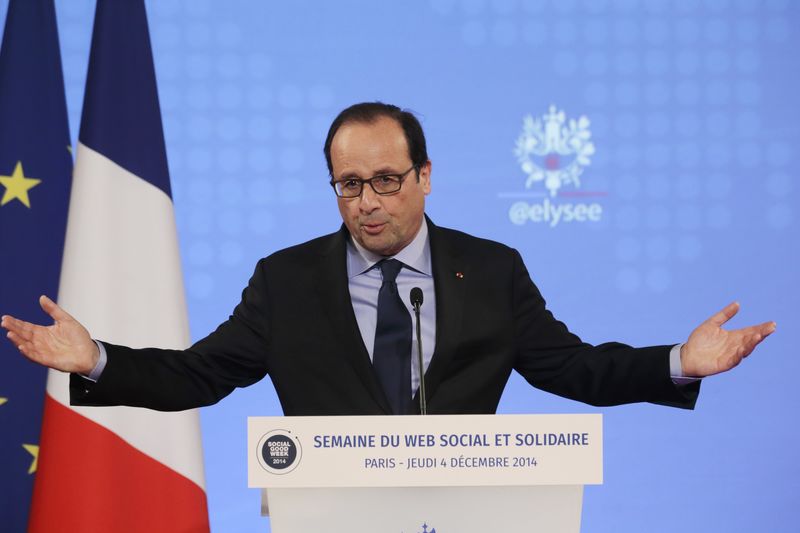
point(346, 175)
point(386, 170)
point(382, 171)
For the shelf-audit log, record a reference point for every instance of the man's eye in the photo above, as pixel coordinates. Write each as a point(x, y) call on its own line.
point(386, 180)
point(351, 184)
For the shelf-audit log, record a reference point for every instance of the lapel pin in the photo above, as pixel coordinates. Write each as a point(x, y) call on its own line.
point(460, 275)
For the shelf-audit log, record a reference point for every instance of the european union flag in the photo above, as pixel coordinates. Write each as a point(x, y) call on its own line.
point(35, 176)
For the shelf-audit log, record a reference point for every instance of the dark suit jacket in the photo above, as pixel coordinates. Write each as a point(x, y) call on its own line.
point(295, 323)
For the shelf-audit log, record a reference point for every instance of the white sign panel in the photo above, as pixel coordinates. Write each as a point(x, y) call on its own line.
point(419, 451)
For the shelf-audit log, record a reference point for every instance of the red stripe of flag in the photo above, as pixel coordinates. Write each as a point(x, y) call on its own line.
point(71, 491)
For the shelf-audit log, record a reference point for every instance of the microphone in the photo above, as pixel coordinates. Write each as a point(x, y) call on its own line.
point(416, 303)
point(416, 298)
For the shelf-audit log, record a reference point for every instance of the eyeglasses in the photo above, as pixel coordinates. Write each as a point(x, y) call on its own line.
point(381, 184)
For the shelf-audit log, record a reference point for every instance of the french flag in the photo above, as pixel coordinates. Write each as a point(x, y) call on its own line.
point(120, 469)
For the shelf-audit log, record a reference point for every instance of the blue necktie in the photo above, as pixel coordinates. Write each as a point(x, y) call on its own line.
point(391, 356)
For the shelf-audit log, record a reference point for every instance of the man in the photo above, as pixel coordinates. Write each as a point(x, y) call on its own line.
point(328, 320)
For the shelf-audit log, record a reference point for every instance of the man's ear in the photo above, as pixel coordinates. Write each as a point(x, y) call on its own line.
point(425, 177)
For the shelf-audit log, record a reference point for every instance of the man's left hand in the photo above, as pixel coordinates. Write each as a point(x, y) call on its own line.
point(711, 349)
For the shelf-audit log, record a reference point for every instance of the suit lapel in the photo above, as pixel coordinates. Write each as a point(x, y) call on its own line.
point(450, 278)
point(334, 297)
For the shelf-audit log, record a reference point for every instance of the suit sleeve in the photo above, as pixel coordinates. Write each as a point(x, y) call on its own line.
point(234, 355)
point(552, 358)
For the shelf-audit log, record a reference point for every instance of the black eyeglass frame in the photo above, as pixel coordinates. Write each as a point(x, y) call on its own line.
point(400, 179)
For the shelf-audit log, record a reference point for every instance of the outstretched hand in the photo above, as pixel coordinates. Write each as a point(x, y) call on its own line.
point(711, 349)
point(65, 346)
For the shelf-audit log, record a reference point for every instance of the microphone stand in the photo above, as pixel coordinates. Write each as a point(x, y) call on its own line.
point(416, 302)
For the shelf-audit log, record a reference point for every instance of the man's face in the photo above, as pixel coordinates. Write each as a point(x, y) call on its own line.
point(383, 224)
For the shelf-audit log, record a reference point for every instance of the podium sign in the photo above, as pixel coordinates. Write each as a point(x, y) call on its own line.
point(446, 473)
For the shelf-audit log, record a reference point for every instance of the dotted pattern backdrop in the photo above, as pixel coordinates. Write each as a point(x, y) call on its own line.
point(693, 115)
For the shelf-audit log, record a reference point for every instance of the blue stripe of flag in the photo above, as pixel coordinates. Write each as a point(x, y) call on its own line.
point(33, 133)
point(121, 116)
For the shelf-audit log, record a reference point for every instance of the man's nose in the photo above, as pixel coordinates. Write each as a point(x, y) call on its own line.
point(369, 200)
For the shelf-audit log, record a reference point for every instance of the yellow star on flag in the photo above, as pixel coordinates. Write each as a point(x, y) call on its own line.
point(34, 451)
point(3, 400)
point(17, 186)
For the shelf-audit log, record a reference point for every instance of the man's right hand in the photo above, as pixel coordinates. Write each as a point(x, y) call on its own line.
point(65, 346)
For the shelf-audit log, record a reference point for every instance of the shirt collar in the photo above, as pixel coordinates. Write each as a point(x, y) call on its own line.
point(417, 255)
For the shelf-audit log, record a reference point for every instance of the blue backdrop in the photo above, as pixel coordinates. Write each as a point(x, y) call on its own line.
point(693, 118)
